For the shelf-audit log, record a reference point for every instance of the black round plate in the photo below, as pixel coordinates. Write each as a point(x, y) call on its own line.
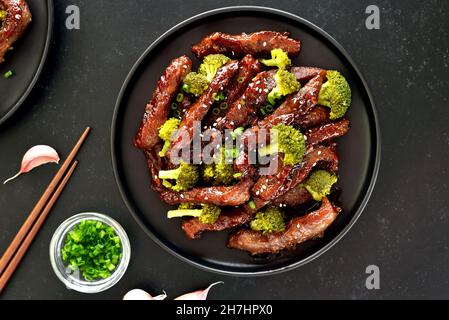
point(27, 58)
point(359, 150)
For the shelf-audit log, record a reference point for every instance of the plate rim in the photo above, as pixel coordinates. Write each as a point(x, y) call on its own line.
point(30, 87)
point(377, 155)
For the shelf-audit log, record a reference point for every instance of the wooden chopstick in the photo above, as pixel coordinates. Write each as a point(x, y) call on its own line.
point(15, 261)
point(14, 245)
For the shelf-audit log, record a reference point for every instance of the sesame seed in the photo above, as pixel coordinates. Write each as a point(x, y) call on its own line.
point(264, 44)
point(257, 192)
point(297, 226)
point(319, 152)
point(305, 137)
point(182, 196)
point(232, 123)
point(206, 198)
point(265, 90)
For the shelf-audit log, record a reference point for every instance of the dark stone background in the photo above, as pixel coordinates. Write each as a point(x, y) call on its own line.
point(403, 230)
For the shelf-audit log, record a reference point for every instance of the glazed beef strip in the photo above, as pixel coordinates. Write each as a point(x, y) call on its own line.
point(248, 69)
point(295, 106)
point(298, 230)
point(220, 196)
point(18, 16)
point(270, 187)
point(318, 115)
point(244, 110)
point(229, 218)
point(327, 131)
point(293, 198)
point(157, 110)
point(200, 108)
point(155, 164)
point(256, 43)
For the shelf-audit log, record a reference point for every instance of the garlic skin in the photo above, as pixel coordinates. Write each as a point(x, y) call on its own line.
point(35, 157)
point(139, 294)
point(199, 294)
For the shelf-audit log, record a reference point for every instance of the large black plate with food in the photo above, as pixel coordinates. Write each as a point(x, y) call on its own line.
point(26, 59)
point(359, 150)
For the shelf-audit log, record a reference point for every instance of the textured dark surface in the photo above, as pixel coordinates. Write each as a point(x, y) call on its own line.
point(403, 230)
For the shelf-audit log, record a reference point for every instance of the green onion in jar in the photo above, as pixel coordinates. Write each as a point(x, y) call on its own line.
point(93, 248)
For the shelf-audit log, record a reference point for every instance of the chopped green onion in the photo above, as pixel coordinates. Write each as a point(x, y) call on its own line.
point(262, 110)
point(174, 106)
point(179, 97)
point(237, 175)
point(8, 74)
point(186, 88)
point(216, 111)
point(93, 248)
point(231, 153)
point(240, 79)
point(218, 97)
point(223, 106)
point(237, 132)
point(177, 113)
point(269, 108)
point(252, 205)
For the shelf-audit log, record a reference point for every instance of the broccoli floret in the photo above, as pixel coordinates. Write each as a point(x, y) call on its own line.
point(269, 220)
point(286, 83)
point(211, 64)
point(2, 15)
point(335, 93)
point(279, 58)
point(165, 133)
point(186, 176)
point(289, 141)
point(195, 83)
point(208, 213)
point(219, 172)
point(319, 183)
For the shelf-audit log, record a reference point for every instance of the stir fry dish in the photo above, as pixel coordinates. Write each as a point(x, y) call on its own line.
point(14, 19)
point(257, 137)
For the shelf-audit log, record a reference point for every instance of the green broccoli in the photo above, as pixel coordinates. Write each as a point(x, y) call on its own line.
point(335, 93)
point(286, 83)
point(289, 141)
point(220, 172)
point(165, 133)
point(2, 15)
point(279, 58)
point(211, 64)
point(208, 213)
point(195, 83)
point(186, 176)
point(269, 220)
point(319, 183)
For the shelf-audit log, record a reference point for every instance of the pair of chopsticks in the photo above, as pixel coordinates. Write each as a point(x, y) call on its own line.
point(25, 236)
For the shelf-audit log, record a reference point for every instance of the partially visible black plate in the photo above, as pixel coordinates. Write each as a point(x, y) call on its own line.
point(27, 58)
point(359, 150)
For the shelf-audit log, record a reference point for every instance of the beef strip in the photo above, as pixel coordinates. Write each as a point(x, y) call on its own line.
point(270, 187)
point(293, 198)
point(256, 43)
point(244, 110)
point(18, 16)
point(199, 109)
point(220, 196)
point(157, 110)
point(327, 131)
point(248, 69)
point(298, 230)
point(155, 164)
point(295, 106)
point(318, 115)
